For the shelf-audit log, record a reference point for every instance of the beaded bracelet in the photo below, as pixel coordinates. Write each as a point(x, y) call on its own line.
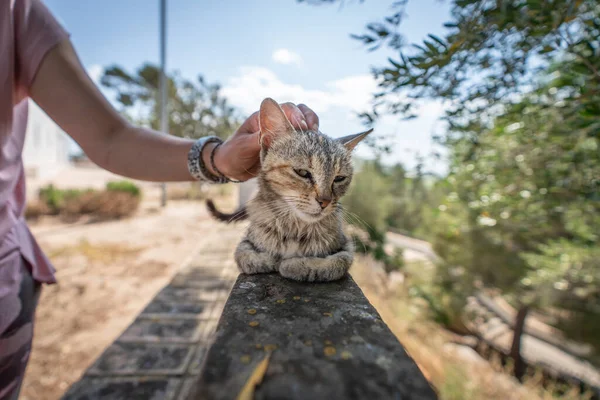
point(196, 165)
point(214, 166)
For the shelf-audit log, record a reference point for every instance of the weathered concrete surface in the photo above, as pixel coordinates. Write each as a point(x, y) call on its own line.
point(159, 355)
point(327, 342)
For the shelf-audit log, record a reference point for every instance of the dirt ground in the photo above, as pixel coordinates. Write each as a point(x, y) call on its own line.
point(107, 272)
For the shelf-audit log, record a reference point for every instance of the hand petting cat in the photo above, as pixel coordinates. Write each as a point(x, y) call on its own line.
point(238, 157)
point(296, 219)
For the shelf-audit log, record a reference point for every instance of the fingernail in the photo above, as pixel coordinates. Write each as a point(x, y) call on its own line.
point(315, 127)
point(303, 124)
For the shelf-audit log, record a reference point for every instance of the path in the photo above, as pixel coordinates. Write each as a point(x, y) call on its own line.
point(159, 356)
point(414, 249)
point(493, 330)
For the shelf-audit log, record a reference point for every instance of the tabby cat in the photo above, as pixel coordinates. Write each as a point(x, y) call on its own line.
point(295, 218)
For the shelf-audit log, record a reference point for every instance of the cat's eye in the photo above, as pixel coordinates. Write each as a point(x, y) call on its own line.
point(339, 179)
point(303, 173)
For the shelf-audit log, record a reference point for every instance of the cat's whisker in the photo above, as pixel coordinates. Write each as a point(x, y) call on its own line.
point(362, 243)
point(290, 233)
point(358, 219)
point(350, 221)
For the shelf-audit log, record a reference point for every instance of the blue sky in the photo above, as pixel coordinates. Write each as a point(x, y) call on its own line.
point(259, 48)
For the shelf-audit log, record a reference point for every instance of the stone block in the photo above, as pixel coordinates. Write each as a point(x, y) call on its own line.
point(325, 339)
point(143, 359)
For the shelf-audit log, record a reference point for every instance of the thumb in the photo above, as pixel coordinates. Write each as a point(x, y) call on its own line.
point(251, 142)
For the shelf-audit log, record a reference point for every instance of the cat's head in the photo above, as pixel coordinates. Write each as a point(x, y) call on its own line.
point(306, 169)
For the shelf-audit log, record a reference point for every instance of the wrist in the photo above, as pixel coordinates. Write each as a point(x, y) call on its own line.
point(219, 162)
point(200, 164)
point(206, 154)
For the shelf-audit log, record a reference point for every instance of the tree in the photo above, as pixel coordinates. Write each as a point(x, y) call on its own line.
point(521, 82)
point(493, 51)
point(525, 208)
point(195, 109)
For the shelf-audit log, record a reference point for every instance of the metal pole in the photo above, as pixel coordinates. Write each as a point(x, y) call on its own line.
point(164, 121)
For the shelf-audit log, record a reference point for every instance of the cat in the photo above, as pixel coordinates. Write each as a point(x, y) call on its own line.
point(295, 218)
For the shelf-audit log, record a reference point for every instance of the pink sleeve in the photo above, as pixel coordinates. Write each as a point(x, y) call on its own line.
point(36, 32)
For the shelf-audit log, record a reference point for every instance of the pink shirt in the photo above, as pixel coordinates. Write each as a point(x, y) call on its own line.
point(27, 32)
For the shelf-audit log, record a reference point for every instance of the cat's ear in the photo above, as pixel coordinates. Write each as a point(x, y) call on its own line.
point(351, 141)
point(272, 122)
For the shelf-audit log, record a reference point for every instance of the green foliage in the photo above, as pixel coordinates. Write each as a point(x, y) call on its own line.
point(195, 108)
point(567, 274)
point(52, 197)
point(124, 186)
point(520, 208)
point(457, 385)
point(524, 214)
point(492, 50)
point(369, 200)
point(395, 261)
point(55, 198)
point(383, 198)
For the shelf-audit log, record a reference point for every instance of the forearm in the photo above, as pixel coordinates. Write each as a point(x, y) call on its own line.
point(144, 154)
point(65, 92)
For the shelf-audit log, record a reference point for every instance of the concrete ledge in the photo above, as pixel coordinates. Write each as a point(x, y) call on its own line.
point(326, 342)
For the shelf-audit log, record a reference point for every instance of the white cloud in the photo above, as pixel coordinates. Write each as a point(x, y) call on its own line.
point(253, 84)
point(353, 93)
point(337, 103)
point(95, 73)
point(286, 57)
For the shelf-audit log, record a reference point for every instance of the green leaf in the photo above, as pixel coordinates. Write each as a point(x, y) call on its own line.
point(438, 40)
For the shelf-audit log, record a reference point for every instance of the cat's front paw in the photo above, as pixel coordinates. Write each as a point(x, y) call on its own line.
point(316, 269)
point(251, 261)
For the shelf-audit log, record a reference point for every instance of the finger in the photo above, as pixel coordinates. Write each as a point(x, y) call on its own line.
point(251, 124)
point(311, 117)
point(294, 115)
point(251, 142)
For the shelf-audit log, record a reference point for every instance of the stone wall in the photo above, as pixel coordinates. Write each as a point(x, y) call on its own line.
point(317, 341)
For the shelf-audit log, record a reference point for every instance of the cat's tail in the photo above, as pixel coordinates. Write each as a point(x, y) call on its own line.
point(236, 216)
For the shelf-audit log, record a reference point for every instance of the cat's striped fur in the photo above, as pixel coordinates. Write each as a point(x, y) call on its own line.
point(295, 218)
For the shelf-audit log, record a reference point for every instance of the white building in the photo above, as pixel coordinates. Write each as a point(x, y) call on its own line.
point(46, 149)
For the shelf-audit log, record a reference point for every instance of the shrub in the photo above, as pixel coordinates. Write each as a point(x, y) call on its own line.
point(120, 199)
point(394, 262)
point(117, 204)
point(52, 197)
point(124, 186)
point(36, 209)
point(84, 203)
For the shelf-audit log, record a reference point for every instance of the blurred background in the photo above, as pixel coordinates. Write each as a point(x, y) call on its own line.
point(475, 206)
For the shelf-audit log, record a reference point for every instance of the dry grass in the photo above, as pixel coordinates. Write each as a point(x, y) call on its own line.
point(188, 191)
point(117, 205)
point(98, 291)
point(95, 253)
point(36, 209)
point(456, 372)
point(196, 191)
point(107, 273)
point(105, 205)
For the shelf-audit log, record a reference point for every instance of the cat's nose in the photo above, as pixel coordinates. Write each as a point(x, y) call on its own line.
point(324, 202)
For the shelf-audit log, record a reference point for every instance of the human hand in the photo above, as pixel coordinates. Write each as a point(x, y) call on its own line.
point(239, 157)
